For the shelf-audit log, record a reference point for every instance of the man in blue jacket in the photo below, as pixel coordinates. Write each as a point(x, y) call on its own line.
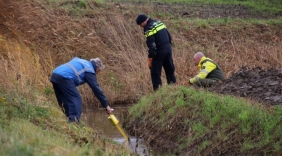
point(158, 41)
point(66, 77)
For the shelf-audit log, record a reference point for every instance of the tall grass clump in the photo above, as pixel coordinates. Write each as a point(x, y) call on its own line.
point(207, 119)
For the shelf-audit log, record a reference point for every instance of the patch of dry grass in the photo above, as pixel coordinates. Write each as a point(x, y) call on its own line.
point(21, 68)
point(56, 34)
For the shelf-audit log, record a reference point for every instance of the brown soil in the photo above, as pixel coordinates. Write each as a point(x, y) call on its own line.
point(259, 79)
point(263, 85)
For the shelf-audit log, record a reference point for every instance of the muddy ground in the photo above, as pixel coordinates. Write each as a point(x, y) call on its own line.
point(205, 11)
point(262, 85)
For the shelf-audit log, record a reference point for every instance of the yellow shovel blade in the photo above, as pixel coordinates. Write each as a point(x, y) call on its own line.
point(122, 132)
point(115, 122)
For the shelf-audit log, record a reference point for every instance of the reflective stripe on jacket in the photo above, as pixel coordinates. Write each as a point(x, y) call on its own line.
point(154, 28)
point(75, 70)
point(208, 69)
point(157, 36)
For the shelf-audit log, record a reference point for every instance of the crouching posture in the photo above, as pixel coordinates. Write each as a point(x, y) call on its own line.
point(210, 73)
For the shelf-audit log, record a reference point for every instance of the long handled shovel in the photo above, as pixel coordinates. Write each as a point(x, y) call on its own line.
point(115, 122)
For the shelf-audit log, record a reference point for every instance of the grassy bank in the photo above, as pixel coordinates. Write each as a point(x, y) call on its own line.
point(31, 122)
point(35, 126)
point(185, 120)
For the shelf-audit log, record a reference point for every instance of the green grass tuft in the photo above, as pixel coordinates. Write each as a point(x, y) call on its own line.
point(205, 113)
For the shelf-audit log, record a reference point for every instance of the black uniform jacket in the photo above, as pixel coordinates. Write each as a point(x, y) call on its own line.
point(157, 36)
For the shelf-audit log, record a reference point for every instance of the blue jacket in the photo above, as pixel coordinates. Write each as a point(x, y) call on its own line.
point(80, 71)
point(75, 70)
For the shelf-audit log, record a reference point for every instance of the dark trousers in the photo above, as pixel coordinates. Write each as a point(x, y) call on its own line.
point(68, 99)
point(163, 59)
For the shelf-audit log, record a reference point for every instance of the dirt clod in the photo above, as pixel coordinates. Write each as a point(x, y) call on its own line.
point(264, 85)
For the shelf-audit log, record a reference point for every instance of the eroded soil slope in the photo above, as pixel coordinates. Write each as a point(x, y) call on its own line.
point(264, 85)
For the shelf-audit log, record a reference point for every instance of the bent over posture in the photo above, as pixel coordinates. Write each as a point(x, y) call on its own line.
point(210, 72)
point(66, 77)
point(158, 42)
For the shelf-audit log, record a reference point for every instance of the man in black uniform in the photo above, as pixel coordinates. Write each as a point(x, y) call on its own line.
point(158, 41)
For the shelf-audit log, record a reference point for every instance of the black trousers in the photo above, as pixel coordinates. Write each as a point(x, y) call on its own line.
point(163, 59)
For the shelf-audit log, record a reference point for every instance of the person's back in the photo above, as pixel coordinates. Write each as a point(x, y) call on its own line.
point(217, 73)
point(75, 70)
point(65, 79)
point(160, 34)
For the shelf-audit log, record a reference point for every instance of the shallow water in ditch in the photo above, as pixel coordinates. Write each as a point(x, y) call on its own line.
point(98, 118)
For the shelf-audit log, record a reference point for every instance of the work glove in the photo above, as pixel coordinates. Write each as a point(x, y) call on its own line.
point(150, 62)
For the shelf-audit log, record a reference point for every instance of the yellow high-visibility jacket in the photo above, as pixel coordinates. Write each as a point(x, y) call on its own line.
point(208, 69)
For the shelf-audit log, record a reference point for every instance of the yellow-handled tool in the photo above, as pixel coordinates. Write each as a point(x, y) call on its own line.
point(115, 122)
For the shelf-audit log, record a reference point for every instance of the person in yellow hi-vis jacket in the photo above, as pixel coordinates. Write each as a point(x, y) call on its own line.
point(210, 73)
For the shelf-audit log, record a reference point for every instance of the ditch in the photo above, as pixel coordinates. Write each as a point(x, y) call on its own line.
point(98, 119)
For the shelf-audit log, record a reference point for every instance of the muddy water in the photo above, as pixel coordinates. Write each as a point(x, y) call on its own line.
point(99, 119)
